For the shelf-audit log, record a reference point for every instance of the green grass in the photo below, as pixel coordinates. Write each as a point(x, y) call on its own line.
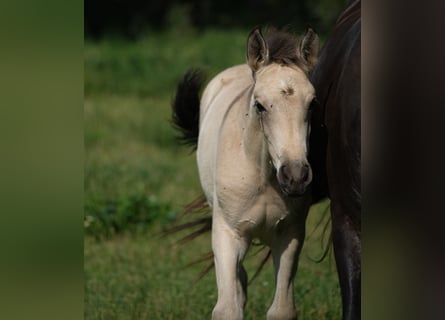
point(137, 180)
point(142, 276)
point(152, 66)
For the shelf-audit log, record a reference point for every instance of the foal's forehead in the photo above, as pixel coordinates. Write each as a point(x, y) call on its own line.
point(284, 78)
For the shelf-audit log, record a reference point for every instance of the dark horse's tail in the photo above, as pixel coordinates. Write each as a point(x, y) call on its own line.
point(186, 107)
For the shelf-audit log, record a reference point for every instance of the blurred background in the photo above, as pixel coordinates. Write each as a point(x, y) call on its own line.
point(138, 179)
point(132, 19)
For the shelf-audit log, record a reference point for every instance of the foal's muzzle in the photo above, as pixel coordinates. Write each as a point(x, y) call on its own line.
point(294, 177)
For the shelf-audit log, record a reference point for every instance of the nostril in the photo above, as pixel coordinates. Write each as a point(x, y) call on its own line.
point(285, 175)
point(307, 176)
point(305, 172)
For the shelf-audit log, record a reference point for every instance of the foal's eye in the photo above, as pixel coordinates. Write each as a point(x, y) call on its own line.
point(259, 107)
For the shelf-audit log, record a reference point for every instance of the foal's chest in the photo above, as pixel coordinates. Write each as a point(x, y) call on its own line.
point(257, 214)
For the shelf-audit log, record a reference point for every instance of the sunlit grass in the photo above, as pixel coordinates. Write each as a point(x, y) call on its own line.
point(152, 66)
point(130, 145)
point(142, 276)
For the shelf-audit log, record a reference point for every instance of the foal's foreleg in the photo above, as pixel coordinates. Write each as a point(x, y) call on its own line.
point(229, 250)
point(285, 252)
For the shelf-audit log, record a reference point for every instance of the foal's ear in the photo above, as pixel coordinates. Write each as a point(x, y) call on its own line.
point(308, 48)
point(257, 50)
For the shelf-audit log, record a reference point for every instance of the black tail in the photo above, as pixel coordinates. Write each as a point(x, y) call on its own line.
point(185, 106)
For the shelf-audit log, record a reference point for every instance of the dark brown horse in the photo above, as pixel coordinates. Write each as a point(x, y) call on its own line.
point(335, 148)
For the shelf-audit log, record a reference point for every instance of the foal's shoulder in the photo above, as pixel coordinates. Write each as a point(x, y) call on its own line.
point(233, 80)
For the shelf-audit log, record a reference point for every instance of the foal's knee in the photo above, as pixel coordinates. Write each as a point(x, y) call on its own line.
point(222, 312)
point(281, 314)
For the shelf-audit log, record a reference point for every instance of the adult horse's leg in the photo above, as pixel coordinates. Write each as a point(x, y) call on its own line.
point(229, 250)
point(347, 250)
point(285, 251)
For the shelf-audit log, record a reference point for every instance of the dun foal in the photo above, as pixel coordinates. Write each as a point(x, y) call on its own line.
point(251, 128)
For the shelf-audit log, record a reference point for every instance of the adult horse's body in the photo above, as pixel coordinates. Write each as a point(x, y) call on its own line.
point(336, 121)
point(253, 125)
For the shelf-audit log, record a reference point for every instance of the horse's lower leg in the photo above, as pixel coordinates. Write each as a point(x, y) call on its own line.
point(229, 251)
point(347, 249)
point(285, 256)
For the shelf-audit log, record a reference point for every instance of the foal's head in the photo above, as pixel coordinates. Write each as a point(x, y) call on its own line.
point(281, 99)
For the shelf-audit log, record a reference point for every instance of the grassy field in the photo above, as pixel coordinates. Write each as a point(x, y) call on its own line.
point(137, 180)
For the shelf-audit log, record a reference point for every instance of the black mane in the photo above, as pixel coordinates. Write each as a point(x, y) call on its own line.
point(283, 47)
